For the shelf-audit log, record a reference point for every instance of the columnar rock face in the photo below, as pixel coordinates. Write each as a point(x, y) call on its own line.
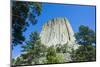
point(57, 31)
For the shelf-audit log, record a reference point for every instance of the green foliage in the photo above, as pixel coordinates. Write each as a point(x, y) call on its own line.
point(86, 52)
point(58, 48)
point(60, 57)
point(51, 54)
point(61, 48)
point(85, 36)
point(23, 13)
point(18, 61)
point(65, 48)
point(32, 51)
point(53, 57)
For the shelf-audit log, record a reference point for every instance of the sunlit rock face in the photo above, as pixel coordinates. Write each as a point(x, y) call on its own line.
point(57, 31)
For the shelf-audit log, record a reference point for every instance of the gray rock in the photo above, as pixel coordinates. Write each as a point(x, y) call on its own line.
point(58, 31)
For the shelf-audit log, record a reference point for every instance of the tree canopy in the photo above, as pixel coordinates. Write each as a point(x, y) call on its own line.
point(53, 57)
point(23, 13)
point(86, 38)
point(33, 50)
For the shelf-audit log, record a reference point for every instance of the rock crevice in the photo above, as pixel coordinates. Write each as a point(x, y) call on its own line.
point(57, 31)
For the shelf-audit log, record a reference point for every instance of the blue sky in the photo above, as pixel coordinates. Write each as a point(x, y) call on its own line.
point(76, 14)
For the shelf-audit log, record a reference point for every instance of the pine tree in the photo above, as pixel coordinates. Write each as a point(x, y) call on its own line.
point(23, 13)
point(33, 50)
point(86, 38)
